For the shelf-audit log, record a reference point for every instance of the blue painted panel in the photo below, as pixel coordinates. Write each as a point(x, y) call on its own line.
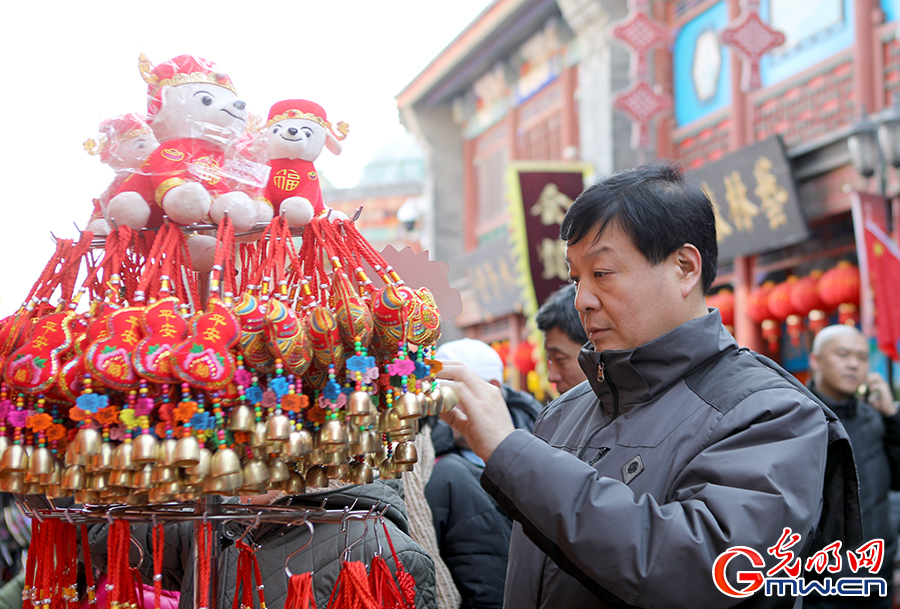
point(700, 88)
point(891, 9)
point(815, 31)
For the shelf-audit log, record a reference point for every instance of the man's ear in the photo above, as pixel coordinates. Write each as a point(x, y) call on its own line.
point(690, 267)
point(813, 362)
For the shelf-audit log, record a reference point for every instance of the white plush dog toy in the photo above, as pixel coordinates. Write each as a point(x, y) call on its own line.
point(125, 142)
point(297, 130)
point(196, 116)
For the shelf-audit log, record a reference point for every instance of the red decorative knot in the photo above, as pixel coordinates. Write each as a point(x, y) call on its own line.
point(642, 104)
point(751, 39)
point(642, 34)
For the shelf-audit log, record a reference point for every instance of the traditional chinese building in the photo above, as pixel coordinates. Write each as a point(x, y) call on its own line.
point(498, 115)
point(755, 97)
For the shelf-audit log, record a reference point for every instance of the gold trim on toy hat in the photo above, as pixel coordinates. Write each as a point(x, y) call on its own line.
point(93, 148)
point(153, 80)
point(342, 127)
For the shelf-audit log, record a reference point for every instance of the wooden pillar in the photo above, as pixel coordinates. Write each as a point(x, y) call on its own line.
point(864, 55)
point(746, 332)
point(569, 126)
point(470, 196)
point(662, 75)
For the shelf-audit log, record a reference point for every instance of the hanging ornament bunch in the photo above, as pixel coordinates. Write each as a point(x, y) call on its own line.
point(295, 369)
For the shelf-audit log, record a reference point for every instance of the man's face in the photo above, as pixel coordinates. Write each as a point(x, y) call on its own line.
point(562, 360)
point(841, 366)
point(623, 300)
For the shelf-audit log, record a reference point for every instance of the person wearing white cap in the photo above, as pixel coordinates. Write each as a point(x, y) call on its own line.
point(473, 531)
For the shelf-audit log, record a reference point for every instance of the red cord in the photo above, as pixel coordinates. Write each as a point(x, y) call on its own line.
point(159, 540)
point(204, 544)
point(300, 592)
point(88, 569)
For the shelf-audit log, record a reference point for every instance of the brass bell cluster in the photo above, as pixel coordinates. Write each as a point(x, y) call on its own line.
point(297, 375)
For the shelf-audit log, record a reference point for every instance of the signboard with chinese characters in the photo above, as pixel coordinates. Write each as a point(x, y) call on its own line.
point(753, 195)
point(540, 193)
point(490, 270)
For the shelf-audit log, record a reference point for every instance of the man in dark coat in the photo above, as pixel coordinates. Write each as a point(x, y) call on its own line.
point(840, 377)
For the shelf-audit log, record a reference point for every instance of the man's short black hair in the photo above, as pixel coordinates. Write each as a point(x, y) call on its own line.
point(657, 207)
point(559, 312)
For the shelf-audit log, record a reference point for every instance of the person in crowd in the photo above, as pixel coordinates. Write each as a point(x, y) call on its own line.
point(681, 445)
point(563, 338)
point(839, 362)
point(472, 531)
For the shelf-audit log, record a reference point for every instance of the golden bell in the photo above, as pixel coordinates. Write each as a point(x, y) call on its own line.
point(380, 450)
point(72, 456)
point(224, 462)
point(214, 486)
point(317, 456)
point(55, 491)
point(145, 449)
point(166, 455)
point(102, 461)
point(54, 478)
point(359, 404)
point(196, 474)
point(386, 470)
point(389, 421)
point(41, 461)
point(406, 452)
point(187, 452)
point(299, 444)
point(336, 458)
point(259, 437)
point(429, 404)
point(333, 433)
point(437, 398)
point(13, 482)
point(361, 473)
point(278, 471)
point(4, 443)
point(338, 472)
point(120, 478)
point(241, 419)
point(450, 398)
point(158, 495)
point(255, 474)
point(87, 441)
point(142, 479)
point(367, 421)
point(121, 458)
point(98, 483)
point(295, 484)
point(260, 452)
point(422, 397)
point(87, 497)
point(276, 447)
point(173, 488)
point(73, 478)
point(278, 428)
point(162, 475)
point(399, 468)
point(14, 459)
point(316, 477)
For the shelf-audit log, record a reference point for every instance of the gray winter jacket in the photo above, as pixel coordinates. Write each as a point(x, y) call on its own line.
point(672, 453)
point(278, 541)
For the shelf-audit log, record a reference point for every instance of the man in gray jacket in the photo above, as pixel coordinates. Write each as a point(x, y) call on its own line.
point(680, 446)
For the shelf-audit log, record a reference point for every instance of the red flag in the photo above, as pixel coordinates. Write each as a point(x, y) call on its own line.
point(883, 257)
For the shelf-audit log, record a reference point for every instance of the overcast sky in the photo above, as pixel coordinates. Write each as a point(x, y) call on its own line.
point(66, 66)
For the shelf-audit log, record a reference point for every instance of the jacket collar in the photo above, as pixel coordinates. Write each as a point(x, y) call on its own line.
point(845, 409)
point(641, 374)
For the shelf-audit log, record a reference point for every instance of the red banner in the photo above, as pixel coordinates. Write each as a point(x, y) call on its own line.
point(883, 258)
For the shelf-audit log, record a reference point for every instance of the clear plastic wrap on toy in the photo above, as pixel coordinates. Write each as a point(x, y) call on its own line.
point(195, 173)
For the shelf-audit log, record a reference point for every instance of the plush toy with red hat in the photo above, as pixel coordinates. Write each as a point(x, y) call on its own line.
point(296, 132)
point(125, 141)
point(196, 115)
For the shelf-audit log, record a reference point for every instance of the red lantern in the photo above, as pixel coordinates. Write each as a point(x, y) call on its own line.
point(783, 308)
point(502, 349)
point(758, 303)
point(806, 300)
point(524, 358)
point(839, 287)
point(758, 310)
point(724, 301)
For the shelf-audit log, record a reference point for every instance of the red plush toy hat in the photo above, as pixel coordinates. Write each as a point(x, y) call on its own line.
point(302, 108)
point(179, 70)
point(118, 129)
point(115, 130)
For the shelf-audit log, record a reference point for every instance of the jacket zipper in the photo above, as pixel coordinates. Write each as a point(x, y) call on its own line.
point(601, 376)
